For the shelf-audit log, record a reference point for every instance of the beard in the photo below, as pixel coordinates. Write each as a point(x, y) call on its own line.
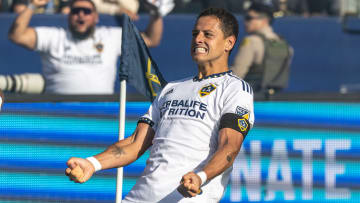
point(81, 35)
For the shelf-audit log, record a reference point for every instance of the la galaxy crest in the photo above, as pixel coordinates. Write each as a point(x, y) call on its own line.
point(206, 90)
point(243, 125)
point(99, 47)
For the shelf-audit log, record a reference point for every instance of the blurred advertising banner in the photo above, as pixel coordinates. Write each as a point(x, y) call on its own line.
point(296, 152)
point(299, 152)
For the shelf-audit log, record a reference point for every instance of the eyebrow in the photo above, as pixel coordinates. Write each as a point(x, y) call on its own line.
point(203, 30)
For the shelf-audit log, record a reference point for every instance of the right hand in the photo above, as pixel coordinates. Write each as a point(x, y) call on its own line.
point(39, 3)
point(79, 170)
point(190, 185)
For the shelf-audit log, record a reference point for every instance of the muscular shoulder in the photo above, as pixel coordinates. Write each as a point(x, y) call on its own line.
point(50, 30)
point(50, 37)
point(235, 83)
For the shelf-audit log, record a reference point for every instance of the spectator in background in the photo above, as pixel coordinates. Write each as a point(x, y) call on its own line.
point(263, 58)
point(81, 59)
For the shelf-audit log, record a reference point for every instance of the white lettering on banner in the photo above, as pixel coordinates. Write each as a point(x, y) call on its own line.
point(307, 146)
point(279, 174)
point(279, 163)
point(332, 169)
point(251, 171)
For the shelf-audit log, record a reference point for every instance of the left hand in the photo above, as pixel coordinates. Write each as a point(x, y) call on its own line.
point(190, 185)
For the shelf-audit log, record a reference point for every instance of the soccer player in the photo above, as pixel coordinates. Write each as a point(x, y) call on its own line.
point(195, 127)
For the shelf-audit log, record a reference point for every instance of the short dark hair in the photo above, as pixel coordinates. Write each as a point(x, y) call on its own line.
point(229, 24)
point(72, 2)
point(263, 9)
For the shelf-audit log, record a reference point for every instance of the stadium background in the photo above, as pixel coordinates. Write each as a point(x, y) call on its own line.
point(37, 139)
point(39, 133)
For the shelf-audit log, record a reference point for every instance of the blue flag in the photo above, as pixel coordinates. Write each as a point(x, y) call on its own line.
point(136, 64)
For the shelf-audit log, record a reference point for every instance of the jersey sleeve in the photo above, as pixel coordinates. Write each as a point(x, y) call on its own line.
point(152, 116)
point(44, 38)
point(238, 99)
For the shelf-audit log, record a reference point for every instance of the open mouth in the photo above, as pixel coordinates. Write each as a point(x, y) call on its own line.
point(200, 50)
point(80, 22)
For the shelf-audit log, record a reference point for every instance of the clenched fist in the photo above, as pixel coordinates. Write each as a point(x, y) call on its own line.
point(190, 185)
point(79, 170)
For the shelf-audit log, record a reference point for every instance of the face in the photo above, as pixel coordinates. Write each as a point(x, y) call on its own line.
point(208, 43)
point(255, 21)
point(82, 18)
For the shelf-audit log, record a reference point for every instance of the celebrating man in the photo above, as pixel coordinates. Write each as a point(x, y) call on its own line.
point(195, 127)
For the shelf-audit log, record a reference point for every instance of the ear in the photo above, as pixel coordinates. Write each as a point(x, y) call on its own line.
point(230, 42)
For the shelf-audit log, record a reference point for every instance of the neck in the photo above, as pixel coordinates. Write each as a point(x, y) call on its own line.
point(206, 70)
point(264, 29)
point(82, 35)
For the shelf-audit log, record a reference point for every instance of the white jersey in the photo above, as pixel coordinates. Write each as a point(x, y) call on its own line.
point(185, 117)
point(73, 66)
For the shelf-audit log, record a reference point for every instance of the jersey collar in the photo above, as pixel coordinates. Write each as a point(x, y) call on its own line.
point(216, 75)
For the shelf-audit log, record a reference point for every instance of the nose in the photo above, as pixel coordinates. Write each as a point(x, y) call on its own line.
point(81, 13)
point(199, 38)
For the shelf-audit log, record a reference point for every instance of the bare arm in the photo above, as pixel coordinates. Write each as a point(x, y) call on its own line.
point(119, 154)
point(20, 33)
point(153, 33)
point(127, 151)
point(230, 142)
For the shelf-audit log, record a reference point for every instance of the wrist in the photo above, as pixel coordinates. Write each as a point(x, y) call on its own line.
point(202, 176)
point(95, 163)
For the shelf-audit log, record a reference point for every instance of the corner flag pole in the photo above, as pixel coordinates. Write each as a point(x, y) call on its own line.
point(122, 105)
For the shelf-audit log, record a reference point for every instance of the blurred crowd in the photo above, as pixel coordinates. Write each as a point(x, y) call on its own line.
point(282, 7)
point(112, 7)
point(81, 51)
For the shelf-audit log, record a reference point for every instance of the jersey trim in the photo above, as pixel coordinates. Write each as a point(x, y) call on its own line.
point(197, 79)
point(236, 122)
point(246, 87)
point(146, 120)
